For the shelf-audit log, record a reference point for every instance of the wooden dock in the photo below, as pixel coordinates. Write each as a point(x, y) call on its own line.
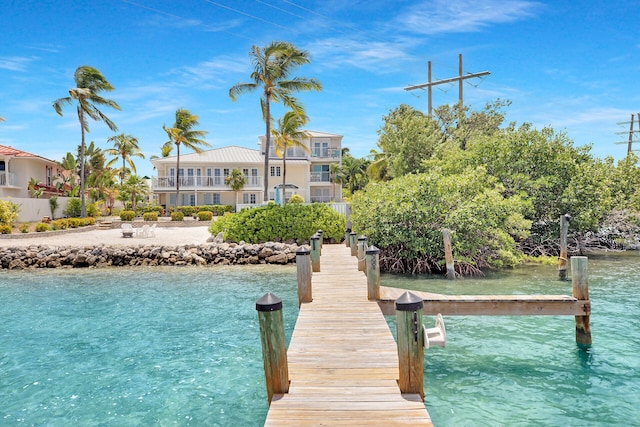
point(342, 358)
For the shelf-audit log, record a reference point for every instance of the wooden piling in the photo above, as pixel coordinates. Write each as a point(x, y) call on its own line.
point(274, 350)
point(410, 343)
point(362, 248)
point(448, 254)
point(353, 244)
point(347, 239)
point(580, 287)
point(303, 265)
point(372, 268)
point(562, 260)
point(319, 233)
point(315, 253)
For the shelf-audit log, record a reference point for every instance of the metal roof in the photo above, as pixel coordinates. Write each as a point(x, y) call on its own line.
point(232, 155)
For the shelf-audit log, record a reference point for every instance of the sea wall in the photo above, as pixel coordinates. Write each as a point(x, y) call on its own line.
point(46, 256)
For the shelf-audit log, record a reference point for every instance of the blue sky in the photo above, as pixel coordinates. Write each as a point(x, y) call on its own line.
point(572, 65)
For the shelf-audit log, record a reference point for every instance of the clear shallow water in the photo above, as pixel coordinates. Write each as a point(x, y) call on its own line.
point(521, 371)
point(181, 346)
point(130, 347)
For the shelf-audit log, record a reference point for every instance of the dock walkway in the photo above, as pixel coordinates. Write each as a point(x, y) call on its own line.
point(343, 359)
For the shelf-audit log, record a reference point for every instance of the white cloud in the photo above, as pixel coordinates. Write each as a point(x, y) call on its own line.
point(15, 63)
point(456, 16)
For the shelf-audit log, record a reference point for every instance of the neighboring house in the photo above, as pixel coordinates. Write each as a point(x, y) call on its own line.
point(18, 167)
point(202, 176)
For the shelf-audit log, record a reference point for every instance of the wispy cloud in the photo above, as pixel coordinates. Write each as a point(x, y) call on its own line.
point(210, 74)
point(15, 63)
point(457, 16)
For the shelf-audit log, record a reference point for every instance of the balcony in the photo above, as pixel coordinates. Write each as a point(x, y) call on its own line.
point(201, 183)
point(320, 177)
point(8, 179)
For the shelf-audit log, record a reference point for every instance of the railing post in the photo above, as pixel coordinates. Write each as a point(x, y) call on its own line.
point(562, 260)
point(362, 247)
point(580, 288)
point(315, 253)
point(373, 273)
point(319, 233)
point(410, 343)
point(353, 244)
point(347, 239)
point(448, 254)
point(274, 350)
point(303, 264)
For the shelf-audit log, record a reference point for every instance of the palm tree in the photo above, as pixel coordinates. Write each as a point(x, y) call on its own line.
point(134, 189)
point(125, 147)
point(183, 133)
point(353, 173)
point(334, 171)
point(273, 65)
point(89, 83)
point(236, 180)
point(288, 134)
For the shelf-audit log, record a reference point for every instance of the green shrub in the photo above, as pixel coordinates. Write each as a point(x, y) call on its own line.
point(74, 208)
point(74, 222)
point(187, 210)
point(60, 224)
point(296, 198)
point(8, 212)
point(216, 210)
point(177, 216)
point(205, 216)
point(5, 229)
point(42, 226)
point(93, 210)
point(280, 223)
point(150, 216)
point(127, 215)
point(24, 228)
point(84, 222)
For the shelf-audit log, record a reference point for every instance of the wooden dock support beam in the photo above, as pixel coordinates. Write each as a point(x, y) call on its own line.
point(347, 239)
point(315, 253)
point(362, 248)
point(274, 345)
point(448, 254)
point(410, 343)
point(303, 265)
point(319, 233)
point(353, 244)
point(562, 260)
point(580, 286)
point(372, 270)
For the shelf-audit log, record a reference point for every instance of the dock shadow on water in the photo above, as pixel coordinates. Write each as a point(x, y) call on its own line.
point(528, 370)
point(114, 347)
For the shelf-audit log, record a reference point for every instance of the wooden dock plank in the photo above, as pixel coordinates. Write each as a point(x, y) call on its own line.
point(342, 358)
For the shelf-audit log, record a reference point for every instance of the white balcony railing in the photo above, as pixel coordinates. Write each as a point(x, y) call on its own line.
point(201, 183)
point(8, 179)
point(320, 177)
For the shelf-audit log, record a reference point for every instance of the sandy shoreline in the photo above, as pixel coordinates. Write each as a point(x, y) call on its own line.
point(113, 237)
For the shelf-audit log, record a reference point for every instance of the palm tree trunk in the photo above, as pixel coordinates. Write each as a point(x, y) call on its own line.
point(267, 146)
point(177, 176)
point(284, 174)
point(123, 169)
point(83, 208)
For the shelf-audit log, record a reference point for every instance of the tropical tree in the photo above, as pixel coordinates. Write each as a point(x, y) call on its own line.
point(134, 189)
point(272, 70)
point(183, 133)
point(236, 180)
point(353, 173)
point(288, 134)
point(124, 147)
point(89, 83)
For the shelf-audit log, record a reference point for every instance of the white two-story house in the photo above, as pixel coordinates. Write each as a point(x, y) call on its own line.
point(202, 176)
point(18, 167)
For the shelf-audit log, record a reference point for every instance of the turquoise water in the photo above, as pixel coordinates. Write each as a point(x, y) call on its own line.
point(181, 347)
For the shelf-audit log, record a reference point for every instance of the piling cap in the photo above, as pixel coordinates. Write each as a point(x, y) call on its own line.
point(303, 251)
point(409, 302)
point(372, 250)
point(315, 237)
point(361, 238)
point(352, 233)
point(269, 302)
point(348, 230)
point(320, 232)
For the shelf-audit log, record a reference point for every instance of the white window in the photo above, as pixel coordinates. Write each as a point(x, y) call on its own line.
point(275, 170)
point(216, 198)
point(249, 198)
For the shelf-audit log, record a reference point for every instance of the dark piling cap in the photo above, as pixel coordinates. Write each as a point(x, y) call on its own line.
point(362, 238)
point(348, 230)
point(269, 302)
point(303, 251)
point(315, 237)
point(372, 250)
point(352, 233)
point(320, 232)
point(409, 302)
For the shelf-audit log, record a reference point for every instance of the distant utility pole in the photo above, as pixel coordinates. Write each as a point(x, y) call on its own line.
point(429, 85)
point(631, 140)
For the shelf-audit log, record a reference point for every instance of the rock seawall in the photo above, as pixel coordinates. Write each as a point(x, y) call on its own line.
point(45, 256)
